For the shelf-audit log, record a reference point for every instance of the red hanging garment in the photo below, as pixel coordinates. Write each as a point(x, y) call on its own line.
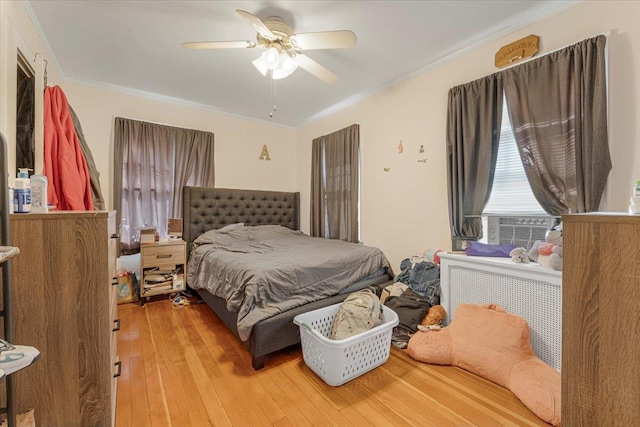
point(64, 164)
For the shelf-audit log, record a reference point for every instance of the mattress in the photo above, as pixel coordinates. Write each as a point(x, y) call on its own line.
point(266, 270)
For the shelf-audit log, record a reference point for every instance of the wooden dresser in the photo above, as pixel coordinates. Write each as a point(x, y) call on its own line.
point(601, 320)
point(65, 305)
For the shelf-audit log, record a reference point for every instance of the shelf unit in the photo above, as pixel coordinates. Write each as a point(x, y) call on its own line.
point(162, 264)
point(5, 264)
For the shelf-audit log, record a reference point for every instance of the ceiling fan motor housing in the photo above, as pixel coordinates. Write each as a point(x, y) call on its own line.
point(283, 35)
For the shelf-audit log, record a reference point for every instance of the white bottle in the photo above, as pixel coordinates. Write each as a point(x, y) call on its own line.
point(22, 192)
point(634, 204)
point(39, 193)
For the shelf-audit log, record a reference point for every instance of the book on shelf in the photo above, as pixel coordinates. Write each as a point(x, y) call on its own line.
point(153, 288)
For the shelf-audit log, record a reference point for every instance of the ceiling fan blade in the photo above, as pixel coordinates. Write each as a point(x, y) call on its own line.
point(218, 45)
point(258, 25)
point(325, 40)
point(314, 68)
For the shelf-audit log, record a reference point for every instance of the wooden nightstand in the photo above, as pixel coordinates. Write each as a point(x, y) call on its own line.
point(163, 266)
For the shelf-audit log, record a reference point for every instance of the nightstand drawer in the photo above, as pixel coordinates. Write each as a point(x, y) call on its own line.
point(163, 255)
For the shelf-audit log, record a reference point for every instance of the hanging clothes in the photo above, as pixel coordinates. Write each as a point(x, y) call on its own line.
point(94, 175)
point(64, 163)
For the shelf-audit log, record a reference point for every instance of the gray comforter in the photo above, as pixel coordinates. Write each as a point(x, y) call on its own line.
point(265, 270)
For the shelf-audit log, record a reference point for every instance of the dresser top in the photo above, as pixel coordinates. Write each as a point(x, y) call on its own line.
point(60, 215)
point(602, 217)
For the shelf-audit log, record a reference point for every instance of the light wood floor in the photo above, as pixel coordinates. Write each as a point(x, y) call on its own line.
point(184, 368)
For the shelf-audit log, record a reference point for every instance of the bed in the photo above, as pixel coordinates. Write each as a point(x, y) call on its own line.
point(206, 209)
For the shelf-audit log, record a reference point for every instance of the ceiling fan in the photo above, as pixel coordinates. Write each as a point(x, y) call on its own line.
point(284, 48)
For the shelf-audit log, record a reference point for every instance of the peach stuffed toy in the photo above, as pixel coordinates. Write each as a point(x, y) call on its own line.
point(433, 318)
point(495, 345)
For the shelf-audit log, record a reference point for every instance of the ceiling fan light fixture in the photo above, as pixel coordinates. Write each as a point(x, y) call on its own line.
point(284, 48)
point(271, 58)
point(260, 66)
point(286, 66)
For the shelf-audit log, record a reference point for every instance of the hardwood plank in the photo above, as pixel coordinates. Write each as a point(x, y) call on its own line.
point(293, 415)
point(479, 409)
point(204, 376)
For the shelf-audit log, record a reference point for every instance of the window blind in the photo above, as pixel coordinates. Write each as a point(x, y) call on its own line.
point(511, 193)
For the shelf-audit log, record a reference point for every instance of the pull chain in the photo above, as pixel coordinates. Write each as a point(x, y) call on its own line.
point(273, 97)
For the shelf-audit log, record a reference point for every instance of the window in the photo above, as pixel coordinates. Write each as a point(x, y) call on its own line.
point(335, 185)
point(558, 108)
point(334, 195)
point(156, 162)
point(511, 193)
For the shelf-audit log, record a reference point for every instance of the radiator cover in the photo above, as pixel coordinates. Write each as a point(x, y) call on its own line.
point(528, 290)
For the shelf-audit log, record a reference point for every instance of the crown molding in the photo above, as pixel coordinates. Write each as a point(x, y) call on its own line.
point(505, 28)
point(517, 22)
point(170, 100)
point(26, 5)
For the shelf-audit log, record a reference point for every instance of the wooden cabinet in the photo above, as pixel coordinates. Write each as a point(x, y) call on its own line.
point(65, 305)
point(163, 268)
point(601, 320)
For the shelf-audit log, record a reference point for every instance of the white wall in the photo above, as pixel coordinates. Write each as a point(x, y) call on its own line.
point(238, 142)
point(17, 32)
point(405, 210)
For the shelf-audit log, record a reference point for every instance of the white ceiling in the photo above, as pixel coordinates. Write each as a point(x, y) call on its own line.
point(135, 46)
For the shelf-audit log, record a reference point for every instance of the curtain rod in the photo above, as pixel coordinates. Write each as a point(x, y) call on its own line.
point(162, 124)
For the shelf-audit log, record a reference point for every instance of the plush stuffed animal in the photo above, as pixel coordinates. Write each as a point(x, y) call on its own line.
point(434, 317)
point(495, 345)
point(549, 252)
point(519, 255)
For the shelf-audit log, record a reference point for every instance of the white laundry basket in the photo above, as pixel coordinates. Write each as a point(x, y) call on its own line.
point(339, 361)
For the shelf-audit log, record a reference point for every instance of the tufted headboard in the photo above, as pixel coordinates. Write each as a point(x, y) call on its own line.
point(205, 209)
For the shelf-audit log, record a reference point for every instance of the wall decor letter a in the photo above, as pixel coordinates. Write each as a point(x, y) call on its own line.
point(265, 153)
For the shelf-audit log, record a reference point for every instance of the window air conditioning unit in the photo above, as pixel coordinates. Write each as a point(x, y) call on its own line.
point(520, 230)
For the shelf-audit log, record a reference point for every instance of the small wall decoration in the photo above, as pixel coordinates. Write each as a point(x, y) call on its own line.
point(264, 155)
point(423, 161)
point(421, 150)
point(386, 169)
point(400, 148)
point(517, 51)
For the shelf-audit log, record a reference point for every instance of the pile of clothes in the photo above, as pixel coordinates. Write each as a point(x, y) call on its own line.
point(415, 290)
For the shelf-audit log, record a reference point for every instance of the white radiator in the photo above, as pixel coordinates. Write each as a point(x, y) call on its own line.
point(528, 290)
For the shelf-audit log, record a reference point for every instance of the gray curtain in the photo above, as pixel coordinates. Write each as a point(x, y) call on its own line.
point(194, 164)
point(473, 133)
point(334, 209)
point(317, 188)
point(152, 163)
point(558, 108)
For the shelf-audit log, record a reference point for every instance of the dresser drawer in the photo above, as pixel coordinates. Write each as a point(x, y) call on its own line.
point(114, 325)
point(113, 253)
point(165, 255)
